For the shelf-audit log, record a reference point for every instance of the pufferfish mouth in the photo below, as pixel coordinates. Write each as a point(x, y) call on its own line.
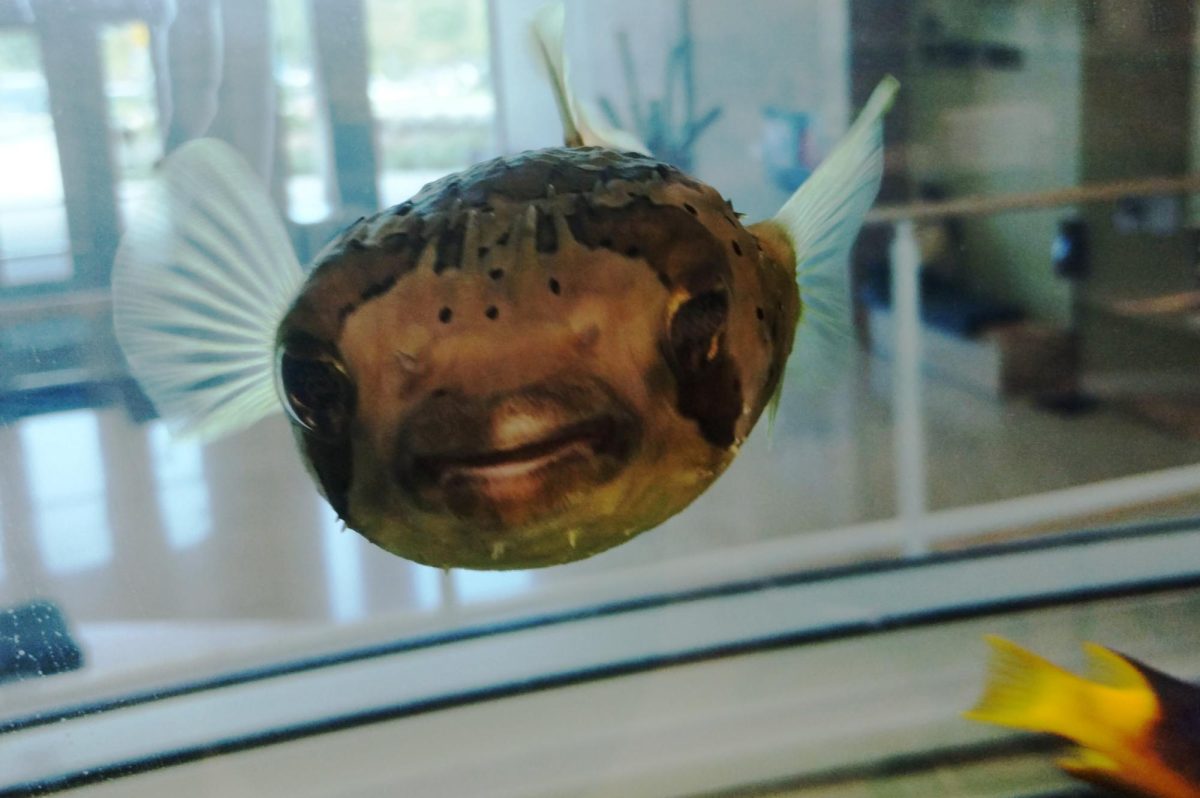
point(509, 459)
point(593, 437)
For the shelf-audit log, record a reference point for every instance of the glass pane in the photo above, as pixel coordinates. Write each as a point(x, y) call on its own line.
point(67, 490)
point(182, 494)
point(31, 231)
point(987, 423)
point(304, 139)
point(33, 225)
point(344, 571)
point(133, 109)
point(30, 269)
point(430, 89)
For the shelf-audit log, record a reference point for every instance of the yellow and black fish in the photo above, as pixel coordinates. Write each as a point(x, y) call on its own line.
point(525, 364)
point(1137, 728)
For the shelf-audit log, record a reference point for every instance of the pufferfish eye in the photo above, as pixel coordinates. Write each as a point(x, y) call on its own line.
point(709, 387)
point(317, 392)
point(695, 326)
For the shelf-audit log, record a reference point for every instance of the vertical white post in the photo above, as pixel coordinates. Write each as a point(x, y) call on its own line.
point(909, 426)
point(448, 590)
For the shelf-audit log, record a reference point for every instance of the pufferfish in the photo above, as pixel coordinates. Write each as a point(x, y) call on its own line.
point(528, 362)
point(1137, 728)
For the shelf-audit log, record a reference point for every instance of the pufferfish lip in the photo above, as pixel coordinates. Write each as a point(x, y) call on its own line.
point(514, 457)
point(591, 438)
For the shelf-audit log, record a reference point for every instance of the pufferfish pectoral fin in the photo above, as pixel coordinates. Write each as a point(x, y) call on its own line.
point(203, 276)
point(818, 225)
point(582, 126)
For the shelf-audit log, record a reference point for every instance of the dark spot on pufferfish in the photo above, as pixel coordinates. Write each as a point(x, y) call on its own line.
point(378, 289)
point(444, 315)
point(396, 242)
point(555, 286)
point(449, 248)
point(546, 236)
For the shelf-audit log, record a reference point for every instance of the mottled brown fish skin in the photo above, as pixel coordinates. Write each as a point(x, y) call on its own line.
point(534, 359)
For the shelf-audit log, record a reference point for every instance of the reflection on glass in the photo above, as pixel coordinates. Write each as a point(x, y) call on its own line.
point(429, 587)
point(67, 490)
point(343, 568)
point(34, 240)
point(33, 225)
point(430, 90)
point(434, 587)
point(471, 587)
point(133, 111)
point(182, 491)
point(303, 135)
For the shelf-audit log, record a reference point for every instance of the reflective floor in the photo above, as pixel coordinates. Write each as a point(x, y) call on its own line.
point(159, 550)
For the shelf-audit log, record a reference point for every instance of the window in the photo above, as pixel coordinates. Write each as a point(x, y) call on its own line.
point(67, 491)
point(33, 227)
point(430, 90)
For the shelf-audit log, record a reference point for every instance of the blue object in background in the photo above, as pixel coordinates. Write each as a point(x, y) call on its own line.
point(944, 305)
point(788, 151)
point(35, 641)
point(1069, 251)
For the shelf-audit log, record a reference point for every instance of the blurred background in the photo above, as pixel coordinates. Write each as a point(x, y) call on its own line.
point(1027, 294)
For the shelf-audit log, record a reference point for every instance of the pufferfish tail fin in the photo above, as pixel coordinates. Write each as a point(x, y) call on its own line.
point(819, 224)
point(201, 280)
point(582, 126)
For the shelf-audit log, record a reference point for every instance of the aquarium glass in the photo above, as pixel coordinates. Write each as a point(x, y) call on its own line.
point(1008, 421)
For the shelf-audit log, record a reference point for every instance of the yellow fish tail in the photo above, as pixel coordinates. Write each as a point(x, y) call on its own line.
point(1027, 692)
point(1142, 772)
point(1109, 668)
point(1114, 715)
point(1084, 763)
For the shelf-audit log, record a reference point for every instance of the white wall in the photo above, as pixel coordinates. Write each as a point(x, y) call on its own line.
point(526, 117)
point(758, 53)
point(749, 54)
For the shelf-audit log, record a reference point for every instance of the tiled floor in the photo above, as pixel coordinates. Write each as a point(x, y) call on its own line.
point(172, 548)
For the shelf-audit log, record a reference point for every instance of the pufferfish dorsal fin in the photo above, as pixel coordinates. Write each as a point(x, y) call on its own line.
point(819, 224)
point(203, 276)
point(582, 126)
